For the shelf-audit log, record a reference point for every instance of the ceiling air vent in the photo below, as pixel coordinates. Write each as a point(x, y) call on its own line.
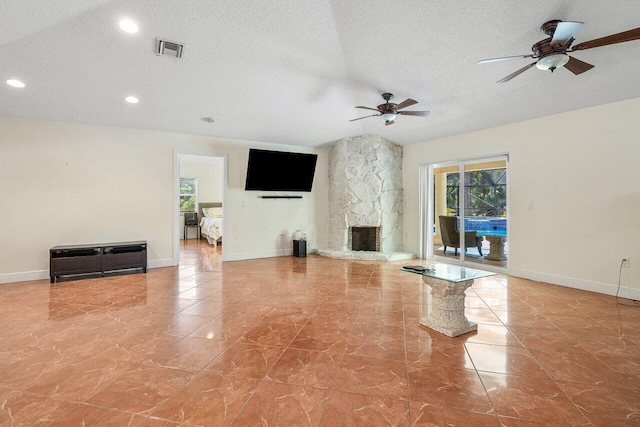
point(169, 48)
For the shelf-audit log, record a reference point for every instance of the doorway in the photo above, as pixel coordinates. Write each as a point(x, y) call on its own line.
point(465, 212)
point(199, 192)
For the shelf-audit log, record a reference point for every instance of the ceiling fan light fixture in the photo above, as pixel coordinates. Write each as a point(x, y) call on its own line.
point(551, 62)
point(551, 52)
point(389, 111)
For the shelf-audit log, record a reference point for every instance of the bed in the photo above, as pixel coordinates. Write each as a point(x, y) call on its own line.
point(210, 226)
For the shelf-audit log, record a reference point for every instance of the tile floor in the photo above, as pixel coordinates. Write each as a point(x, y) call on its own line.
point(315, 341)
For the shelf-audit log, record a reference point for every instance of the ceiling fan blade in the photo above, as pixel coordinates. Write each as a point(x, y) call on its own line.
point(625, 36)
point(564, 31)
point(360, 118)
point(517, 73)
point(389, 122)
point(406, 103)
point(576, 66)
point(367, 108)
point(415, 113)
point(505, 58)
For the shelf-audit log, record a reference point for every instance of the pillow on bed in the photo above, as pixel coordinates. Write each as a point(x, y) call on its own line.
point(212, 212)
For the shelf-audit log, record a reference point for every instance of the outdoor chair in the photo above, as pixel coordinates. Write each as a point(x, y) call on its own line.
point(451, 235)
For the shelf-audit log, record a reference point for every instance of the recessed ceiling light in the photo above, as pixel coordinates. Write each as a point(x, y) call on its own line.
point(15, 83)
point(129, 26)
point(132, 99)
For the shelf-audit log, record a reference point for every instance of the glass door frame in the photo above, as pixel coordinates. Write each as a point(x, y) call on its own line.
point(427, 209)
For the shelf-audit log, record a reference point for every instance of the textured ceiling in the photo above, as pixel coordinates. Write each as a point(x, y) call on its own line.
point(291, 71)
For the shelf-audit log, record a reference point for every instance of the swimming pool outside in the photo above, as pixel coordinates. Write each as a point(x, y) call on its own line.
point(502, 233)
point(487, 225)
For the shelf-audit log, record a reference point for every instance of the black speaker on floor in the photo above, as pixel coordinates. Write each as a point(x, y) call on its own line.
point(300, 248)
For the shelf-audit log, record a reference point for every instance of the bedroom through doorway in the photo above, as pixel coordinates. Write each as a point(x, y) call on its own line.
point(199, 205)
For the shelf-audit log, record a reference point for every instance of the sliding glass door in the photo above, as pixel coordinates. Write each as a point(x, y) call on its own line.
point(446, 198)
point(485, 211)
point(467, 214)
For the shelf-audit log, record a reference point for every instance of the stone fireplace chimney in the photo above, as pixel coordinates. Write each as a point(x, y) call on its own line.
point(365, 190)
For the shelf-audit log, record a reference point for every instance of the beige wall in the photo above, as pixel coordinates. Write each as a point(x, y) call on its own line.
point(65, 183)
point(581, 171)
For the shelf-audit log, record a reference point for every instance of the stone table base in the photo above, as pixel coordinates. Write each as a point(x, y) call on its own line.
point(496, 248)
point(442, 306)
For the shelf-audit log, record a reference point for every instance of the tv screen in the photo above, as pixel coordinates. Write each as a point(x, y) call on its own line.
point(280, 171)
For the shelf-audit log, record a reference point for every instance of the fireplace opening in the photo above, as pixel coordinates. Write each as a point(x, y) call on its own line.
point(365, 239)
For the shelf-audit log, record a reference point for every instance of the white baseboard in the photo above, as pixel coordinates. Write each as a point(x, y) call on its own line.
point(157, 263)
point(570, 282)
point(262, 254)
point(25, 276)
point(28, 276)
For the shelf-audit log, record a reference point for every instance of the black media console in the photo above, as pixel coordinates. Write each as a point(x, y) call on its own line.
point(97, 259)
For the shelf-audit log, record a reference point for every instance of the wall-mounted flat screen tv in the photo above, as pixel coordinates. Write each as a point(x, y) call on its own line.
point(280, 171)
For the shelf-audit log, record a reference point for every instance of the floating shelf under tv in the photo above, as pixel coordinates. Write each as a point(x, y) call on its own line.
point(281, 197)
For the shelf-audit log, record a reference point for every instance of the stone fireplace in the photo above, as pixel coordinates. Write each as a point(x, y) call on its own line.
point(365, 194)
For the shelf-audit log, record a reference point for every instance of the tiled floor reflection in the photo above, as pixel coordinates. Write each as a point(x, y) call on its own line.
point(316, 341)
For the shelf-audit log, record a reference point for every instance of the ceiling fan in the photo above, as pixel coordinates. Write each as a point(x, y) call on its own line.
point(389, 111)
point(551, 53)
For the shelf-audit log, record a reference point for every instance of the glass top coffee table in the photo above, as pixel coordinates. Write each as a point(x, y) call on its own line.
point(442, 296)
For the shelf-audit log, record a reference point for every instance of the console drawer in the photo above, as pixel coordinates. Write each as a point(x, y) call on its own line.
point(121, 261)
point(76, 265)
